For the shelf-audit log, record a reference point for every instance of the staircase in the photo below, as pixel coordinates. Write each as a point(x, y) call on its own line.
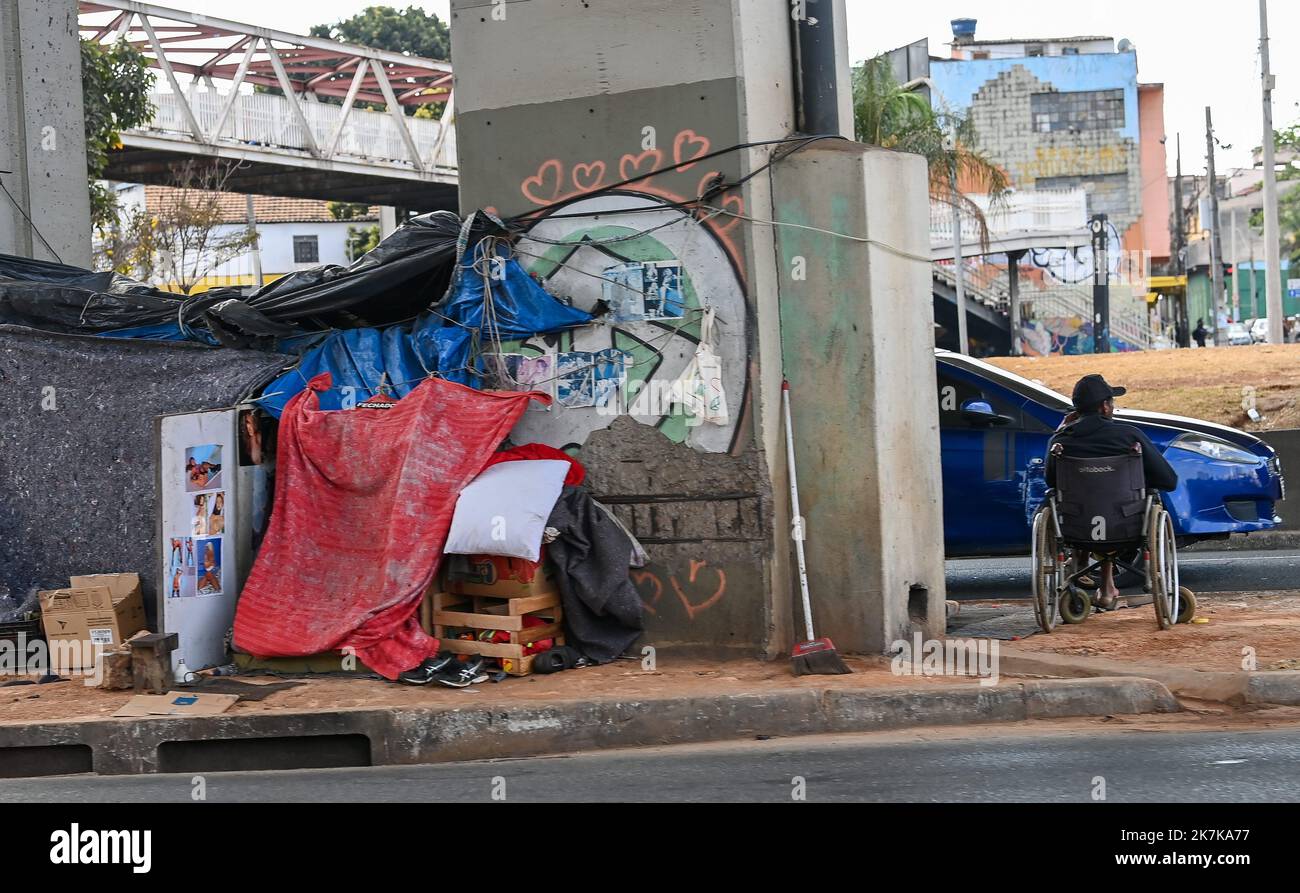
point(1128, 315)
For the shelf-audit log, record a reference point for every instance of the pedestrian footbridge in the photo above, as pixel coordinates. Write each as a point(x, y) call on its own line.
point(300, 116)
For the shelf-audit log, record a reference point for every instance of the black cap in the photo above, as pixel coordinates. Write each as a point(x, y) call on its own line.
point(1092, 390)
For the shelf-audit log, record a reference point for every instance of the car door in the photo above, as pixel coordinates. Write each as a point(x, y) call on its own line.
point(986, 465)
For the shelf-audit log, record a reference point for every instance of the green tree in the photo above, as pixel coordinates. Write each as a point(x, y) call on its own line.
point(1287, 141)
point(411, 30)
point(888, 115)
point(115, 83)
point(361, 239)
point(347, 210)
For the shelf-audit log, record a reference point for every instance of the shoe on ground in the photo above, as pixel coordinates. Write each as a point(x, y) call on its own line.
point(429, 669)
point(466, 674)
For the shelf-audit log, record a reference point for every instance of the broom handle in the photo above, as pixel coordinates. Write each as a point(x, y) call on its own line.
point(798, 532)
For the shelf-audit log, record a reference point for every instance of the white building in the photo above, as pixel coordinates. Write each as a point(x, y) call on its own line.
point(293, 233)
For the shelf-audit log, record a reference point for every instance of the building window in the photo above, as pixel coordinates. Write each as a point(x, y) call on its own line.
point(306, 250)
point(1078, 110)
point(1034, 52)
point(1069, 51)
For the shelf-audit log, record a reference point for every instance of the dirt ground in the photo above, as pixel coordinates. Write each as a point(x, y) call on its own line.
point(622, 679)
point(1204, 384)
point(1270, 624)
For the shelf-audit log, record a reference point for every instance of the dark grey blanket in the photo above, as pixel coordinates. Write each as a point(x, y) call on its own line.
point(77, 455)
point(602, 610)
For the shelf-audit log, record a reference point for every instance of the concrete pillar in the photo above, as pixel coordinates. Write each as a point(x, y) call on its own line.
point(557, 102)
point(856, 331)
point(42, 138)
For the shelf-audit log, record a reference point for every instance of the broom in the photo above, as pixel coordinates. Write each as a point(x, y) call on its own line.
point(814, 657)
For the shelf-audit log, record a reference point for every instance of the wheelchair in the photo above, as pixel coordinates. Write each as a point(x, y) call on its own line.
point(1101, 510)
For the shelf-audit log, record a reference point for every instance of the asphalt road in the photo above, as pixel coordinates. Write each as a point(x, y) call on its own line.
point(986, 578)
point(1007, 766)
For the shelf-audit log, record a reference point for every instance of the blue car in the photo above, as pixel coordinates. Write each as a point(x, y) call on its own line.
point(994, 427)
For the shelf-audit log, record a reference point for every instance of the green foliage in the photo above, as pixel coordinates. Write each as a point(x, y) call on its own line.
point(887, 115)
point(411, 31)
point(347, 210)
point(115, 82)
point(361, 239)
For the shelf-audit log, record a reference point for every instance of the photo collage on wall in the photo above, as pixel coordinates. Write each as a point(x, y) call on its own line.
point(194, 562)
point(576, 379)
point(638, 291)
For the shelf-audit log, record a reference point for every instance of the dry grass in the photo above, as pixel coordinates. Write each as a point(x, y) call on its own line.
point(1204, 384)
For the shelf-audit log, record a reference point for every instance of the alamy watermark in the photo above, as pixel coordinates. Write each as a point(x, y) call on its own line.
point(946, 657)
point(37, 657)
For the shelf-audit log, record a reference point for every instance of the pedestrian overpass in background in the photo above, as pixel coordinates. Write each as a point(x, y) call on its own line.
point(313, 133)
point(1050, 228)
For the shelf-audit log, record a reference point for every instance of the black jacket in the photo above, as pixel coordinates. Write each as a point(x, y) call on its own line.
point(1095, 436)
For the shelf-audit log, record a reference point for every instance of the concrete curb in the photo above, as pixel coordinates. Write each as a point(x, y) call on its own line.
point(1236, 688)
point(1264, 540)
point(370, 736)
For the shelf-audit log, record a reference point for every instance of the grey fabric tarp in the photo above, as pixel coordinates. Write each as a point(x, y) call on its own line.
point(77, 481)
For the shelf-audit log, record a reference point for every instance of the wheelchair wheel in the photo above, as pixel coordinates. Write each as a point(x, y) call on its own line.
point(1186, 605)
point(1046, 562)
point(1075, 605)
point(1162, 568)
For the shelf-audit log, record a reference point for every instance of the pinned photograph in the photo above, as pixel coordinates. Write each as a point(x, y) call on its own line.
point(663, 291)
point(180, 567)
point(609, 378)
point(202, 509)
point(574, 385)
point(209, 570)
point(203, 467)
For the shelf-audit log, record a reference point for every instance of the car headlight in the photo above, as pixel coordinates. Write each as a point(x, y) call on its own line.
point(1214, 448)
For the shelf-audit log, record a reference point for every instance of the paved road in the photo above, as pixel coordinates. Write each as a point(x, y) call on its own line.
point(1006, 766)
point(983, 578)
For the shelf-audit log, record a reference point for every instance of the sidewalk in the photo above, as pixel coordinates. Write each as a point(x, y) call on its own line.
point(1243, 648)
point(353, 721)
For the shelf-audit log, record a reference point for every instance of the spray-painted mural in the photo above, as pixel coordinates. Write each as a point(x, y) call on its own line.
point(1056, 122)
point(670, 289)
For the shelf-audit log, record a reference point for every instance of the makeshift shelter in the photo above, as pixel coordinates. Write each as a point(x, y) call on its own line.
point(78, 461)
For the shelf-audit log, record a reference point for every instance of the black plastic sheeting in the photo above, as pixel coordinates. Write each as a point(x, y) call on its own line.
point(403, 275)
point(78, 475)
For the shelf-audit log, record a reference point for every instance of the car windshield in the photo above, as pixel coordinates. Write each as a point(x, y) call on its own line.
point(1017, 383)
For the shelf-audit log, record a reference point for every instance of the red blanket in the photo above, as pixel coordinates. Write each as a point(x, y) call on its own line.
point(363, 502)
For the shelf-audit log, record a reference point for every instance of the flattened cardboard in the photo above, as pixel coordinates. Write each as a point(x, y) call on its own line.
point(177, 703)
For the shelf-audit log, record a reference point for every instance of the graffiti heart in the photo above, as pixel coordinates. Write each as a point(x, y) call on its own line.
point(704, 587)
point(543, 187)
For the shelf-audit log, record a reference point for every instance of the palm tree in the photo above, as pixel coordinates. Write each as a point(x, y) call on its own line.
point(888, 115)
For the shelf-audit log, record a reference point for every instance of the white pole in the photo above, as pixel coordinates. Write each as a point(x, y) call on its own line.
point(1272, 238)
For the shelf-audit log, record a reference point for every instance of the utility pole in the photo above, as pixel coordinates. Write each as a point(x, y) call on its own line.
point(257, 242)
point(1272, 239)
point(959, 269)
point(1180, 246)
point(1100, 285)
point(1235, 303)
point(1216, 242)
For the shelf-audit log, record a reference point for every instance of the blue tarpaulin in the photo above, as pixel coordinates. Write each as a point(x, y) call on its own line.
point(441, 340)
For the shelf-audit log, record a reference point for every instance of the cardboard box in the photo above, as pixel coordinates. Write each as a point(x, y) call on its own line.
point(102, 609)
point(499, 577)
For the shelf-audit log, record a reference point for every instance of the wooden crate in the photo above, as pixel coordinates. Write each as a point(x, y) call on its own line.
point(481, 612)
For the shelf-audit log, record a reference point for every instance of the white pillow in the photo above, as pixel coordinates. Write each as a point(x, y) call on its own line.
point(503, 511)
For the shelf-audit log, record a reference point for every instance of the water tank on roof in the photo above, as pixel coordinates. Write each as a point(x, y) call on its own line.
point(963, 29)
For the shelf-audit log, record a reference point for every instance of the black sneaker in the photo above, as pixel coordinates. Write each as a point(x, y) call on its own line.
point(428, 670)
point(472, 671)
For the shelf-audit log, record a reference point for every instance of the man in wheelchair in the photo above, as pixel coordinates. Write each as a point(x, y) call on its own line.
point(1091, 496)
